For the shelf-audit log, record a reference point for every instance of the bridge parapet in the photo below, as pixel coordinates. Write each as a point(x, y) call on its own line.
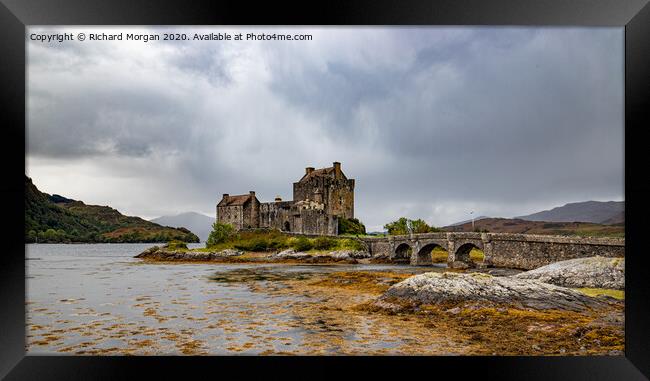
point(607, 241)
point(524, 251)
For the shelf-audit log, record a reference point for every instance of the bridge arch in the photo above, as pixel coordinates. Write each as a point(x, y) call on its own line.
point(402, 253)
point(463, 251)
point(424, 255)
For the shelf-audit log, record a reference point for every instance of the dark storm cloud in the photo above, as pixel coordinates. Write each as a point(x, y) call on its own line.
point(432, 122)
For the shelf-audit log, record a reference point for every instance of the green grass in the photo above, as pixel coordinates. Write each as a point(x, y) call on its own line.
point(264, 240)
point(439, 255)
point(176, 245)
point(364, 235)
point(477, 255)
point(617, 294)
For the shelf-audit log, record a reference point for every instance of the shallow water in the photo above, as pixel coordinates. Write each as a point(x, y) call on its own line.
point(98, 299)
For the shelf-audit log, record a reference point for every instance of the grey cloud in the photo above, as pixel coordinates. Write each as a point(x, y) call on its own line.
point(503, 119)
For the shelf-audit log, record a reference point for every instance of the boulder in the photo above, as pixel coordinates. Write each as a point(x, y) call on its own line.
point(229, 253)
point(349, 254)
point(592, 272)
point(291, 254)
point(459, 265)
point(150, 252)
point(442, 288)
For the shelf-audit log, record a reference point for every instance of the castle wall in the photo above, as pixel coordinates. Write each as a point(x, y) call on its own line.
point(273, 215)
point(251, 214)
point(233, 215)
point(340, 198)
point(301, 217)
point(315, 222)
point(336, 194)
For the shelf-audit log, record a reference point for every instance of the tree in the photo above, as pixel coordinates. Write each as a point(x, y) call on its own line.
point(405, 226)
point(399, 227)
point(351, 226)
point(419, 226)
point(220, 233)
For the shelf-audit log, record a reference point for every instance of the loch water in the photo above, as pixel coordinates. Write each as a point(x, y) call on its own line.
point(97, 299)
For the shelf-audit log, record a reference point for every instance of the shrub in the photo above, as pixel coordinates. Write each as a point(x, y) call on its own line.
point(259, 244)
point(220, 233)
point(176, 245)
point(324, 243)
point(278, 243)
point(353, 244)
point(255, 244)
point(302, 244)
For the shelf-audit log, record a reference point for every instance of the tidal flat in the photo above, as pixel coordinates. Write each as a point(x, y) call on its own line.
point(99, 300)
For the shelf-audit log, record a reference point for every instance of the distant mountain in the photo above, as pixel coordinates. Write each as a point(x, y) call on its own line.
point(470, 221)
point(196, 222)
point(54, 218)
point(513, 225)
point(609, 212)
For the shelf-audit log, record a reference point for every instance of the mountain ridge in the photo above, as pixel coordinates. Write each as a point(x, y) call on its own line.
point(199, 223)
point(599, 212)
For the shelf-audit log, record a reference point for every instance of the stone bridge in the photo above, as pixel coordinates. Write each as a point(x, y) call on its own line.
point(522, 251)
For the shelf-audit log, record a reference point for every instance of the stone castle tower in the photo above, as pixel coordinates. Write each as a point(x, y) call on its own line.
point(320, 198)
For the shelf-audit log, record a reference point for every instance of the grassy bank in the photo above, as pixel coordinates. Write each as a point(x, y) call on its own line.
point(616, 294)
point(439, 255)
point(263, 240)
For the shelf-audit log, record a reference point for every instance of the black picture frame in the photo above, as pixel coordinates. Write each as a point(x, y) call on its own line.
point(15, 15)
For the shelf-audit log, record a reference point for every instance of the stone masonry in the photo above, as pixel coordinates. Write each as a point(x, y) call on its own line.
point(522, 251)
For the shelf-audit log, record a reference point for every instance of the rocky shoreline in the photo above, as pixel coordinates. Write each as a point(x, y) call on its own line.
point(157, 253)
point(548, 287)
point(472, 311)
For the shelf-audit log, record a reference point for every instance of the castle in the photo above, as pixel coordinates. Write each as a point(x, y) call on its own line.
point(320, 197)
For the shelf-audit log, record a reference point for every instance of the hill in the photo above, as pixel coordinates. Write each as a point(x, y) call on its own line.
point(196, 222)
point(470, 221)
point(609, 212)
point(53, 218)
point(515, 225)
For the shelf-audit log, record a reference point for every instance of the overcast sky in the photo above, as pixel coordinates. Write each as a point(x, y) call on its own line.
point(431, 122)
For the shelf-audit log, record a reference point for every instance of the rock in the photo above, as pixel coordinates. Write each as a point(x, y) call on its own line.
point(192, 255)
point(458, 265)
point(229, 253)
point(592, 272)
point(162, 254)
point(436, 288)
point(333, 256)
point(148, 253)
point(291, 254)
point(285, 252)
point(356, 254)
